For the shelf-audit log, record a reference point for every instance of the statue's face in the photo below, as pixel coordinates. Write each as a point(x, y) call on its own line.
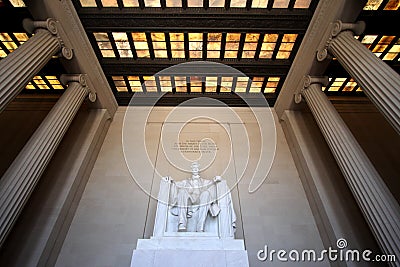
point(195, 170)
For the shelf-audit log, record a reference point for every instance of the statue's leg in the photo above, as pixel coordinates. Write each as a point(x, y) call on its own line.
point(183, 197)
point(205, 199)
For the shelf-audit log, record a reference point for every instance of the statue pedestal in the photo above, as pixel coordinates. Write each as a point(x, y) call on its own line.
point(189, 251)
point(215, 246)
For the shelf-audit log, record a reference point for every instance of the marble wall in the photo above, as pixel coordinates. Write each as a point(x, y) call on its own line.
point(117, 207)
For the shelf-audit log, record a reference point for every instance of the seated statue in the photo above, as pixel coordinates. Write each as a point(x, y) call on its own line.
point(194, 195)
point(195, 205)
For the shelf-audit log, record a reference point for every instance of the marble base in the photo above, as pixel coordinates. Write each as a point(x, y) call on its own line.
point(176, 252)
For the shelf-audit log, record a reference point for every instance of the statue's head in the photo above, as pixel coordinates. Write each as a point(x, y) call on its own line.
point(195, 169)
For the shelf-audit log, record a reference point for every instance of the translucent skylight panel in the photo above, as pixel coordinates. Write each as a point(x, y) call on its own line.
point(393, 52)
point(195, 3)
point(135, 84)
point(241, 84)
point(368, 40)
point(40, 83)
point(104, 44)
point(195, 84)
point(165, 83)
point(195, 45)
point(88, 3)
point(281, 4)
point(140, 43)
point(214, 45)
point(180, 84)
point(211, 84)
point(382, 45)
point(7, 41)
point(54, 82)
point(21, 37)
point(350, 85)
point(373, 4)
point(159, 45)
point(109, 3)
point(174, 3)
point(30, 86)
point(226, 84)
point(238, 3)
point(152, 3)
point(130, 3)
point(256, 84)
point(268, 46)
point(150, 83)
point(272, 84)
point(122, 43)
point(392, 5)
point(2, 53)
point(120, 84)
point(232, 45)
point(17, 3)
point(250, 45)
point(286, 46)
point(337, 83)
point(302, 4)
point(216, 3)
point(177, 45)
point(259, 4)
point(5, 37)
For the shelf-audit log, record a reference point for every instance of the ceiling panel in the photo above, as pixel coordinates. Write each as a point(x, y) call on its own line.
point(135, 39)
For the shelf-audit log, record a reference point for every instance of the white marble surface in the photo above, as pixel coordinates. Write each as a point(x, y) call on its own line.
point(194, 258)
point(192, 243)
point(114, 212)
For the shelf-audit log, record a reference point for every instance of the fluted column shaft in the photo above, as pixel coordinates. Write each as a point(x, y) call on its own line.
point(20, 66)
point(18, 182)
point(377, 79)
point(378, 205)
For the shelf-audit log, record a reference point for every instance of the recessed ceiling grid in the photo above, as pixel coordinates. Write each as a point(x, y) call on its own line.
point(11, 41)
point(134, 39)
point(44, 84)
point(343, 86)
point(382, 5)
point(196, 3)
point(195, 84)
point(385, 47)
point(206, 45)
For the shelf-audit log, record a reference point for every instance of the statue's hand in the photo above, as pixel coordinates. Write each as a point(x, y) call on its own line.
point(217, 179)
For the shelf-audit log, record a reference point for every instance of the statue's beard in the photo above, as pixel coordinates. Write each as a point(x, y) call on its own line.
point(195, 176)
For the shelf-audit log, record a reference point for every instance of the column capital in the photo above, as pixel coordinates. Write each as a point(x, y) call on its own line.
point(335, 29)
point(82, 80)
point(307, 82)
point(52, 26)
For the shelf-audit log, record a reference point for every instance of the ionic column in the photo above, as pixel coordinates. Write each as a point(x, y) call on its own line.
point(378, 80)
point(380, 208)
point(19, 180)
point(20, 66)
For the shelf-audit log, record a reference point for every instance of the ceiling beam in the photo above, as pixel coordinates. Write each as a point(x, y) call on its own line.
point(170, 99)
point(336, 70)
point(380, 21)
point(151, 67)
point(11, 19)
point(248, 67)
point(195, 19)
